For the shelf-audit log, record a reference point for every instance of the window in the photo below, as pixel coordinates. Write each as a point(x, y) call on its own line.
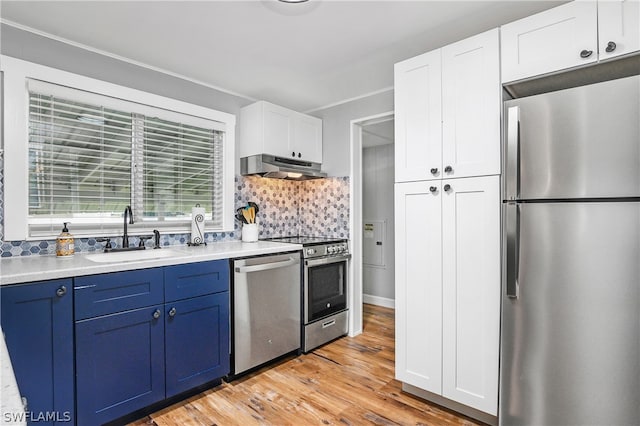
point(88, 154)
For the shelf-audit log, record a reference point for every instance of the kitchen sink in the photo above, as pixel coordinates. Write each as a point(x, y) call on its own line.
point(131, 256)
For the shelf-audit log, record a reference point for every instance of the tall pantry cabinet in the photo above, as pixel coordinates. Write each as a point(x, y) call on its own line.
point(447, 210)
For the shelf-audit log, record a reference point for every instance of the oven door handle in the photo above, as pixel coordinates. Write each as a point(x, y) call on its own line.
point(266, 266)
point(327, 260)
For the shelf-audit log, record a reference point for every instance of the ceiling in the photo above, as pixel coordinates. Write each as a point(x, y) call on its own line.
point(302, 56)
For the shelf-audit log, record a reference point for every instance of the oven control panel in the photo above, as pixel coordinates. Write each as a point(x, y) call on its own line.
point(326, 250)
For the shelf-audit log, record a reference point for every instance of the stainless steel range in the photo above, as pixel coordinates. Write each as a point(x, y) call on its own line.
point(325, 288)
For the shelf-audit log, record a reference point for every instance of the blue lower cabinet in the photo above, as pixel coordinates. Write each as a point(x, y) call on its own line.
point(197, 341)
point(37, 320)
point(119, 364)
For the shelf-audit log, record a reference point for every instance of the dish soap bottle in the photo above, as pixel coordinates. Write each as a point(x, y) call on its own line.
point(65, 243)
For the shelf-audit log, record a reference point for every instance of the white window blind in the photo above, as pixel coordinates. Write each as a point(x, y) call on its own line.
point(89, 160)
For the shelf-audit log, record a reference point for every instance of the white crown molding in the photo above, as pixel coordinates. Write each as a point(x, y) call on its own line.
point(355, 98)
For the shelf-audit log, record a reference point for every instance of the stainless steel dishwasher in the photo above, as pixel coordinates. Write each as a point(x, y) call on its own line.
point(266, 309)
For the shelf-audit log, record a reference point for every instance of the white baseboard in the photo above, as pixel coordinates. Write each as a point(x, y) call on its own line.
point(379, 301)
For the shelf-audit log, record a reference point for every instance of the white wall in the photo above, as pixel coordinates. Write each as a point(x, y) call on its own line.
point(377, 202)
point(336, 129)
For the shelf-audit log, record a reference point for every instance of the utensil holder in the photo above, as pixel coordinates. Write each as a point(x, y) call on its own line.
point(250, 232)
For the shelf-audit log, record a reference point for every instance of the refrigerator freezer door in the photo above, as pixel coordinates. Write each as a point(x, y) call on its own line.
point(582, 142)
point(570, 352)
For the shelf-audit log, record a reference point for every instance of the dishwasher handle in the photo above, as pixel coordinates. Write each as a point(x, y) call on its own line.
point(267, 266)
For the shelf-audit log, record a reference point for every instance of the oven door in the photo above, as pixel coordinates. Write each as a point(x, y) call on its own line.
point(325, 286)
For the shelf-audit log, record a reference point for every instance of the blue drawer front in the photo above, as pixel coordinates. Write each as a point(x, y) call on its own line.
point(104, 294)
point(195, 279)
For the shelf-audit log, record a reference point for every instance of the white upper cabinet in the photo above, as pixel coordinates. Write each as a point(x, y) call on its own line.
point(471, 107)
point(266, 128)
point(618, 27)
point(418, 117)
point(571, 35)
point(447, 111)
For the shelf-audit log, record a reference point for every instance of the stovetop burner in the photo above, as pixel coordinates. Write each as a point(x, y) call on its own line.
point(305, 240)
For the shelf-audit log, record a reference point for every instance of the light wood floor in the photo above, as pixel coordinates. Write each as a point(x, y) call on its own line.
point(349, 381)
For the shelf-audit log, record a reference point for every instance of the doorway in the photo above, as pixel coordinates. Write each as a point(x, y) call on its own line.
point(372, 240)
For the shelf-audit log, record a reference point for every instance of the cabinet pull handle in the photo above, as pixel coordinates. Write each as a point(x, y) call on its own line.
point(172, 312)
point(434, 171)
point(157, 313)
point(61, 291)
point(447, 187)
point(299, 155)
point(293, 154)
point(433, 189)
point(585, 53)
point(448, 169)
point(611, 46)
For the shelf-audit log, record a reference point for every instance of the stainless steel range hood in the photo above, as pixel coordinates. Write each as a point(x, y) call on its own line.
point(270, 166)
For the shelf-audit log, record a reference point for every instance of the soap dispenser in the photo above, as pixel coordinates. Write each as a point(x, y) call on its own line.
point(65, 243)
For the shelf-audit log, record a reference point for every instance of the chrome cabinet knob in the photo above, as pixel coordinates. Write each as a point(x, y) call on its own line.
point(433, 188)
point(61, 291)
point(586, 53)
point(447, 187)
point(434, 171)
point(448, 169)
point(611, 46)
point(172, 312)
point(157, 313)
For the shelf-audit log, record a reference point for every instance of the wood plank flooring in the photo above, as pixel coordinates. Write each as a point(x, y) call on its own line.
point(349, 382)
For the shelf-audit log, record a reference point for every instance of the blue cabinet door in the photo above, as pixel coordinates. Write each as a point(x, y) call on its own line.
point(119, 364)
point(197, 341)
point(37, 320)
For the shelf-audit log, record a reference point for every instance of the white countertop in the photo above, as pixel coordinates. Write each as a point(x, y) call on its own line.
point(10, 401)
point(22, 269)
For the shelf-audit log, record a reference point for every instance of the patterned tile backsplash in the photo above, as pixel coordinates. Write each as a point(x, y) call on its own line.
point(314, 207)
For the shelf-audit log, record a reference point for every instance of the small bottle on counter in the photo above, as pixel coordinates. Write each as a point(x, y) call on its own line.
point(65, 243)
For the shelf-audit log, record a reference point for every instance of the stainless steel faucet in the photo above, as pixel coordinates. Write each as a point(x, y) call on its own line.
point(125, 237)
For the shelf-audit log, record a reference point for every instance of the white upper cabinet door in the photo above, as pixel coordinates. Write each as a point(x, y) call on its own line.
point(471, 103)
point(559, 38)
point(307, 138)
point(471, 291)
point(618, 27)
point(278, 130)
point(419, 284)
point(418, 118)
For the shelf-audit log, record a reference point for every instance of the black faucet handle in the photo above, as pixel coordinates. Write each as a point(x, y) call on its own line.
point(107, 246)
point(156, 239)
point(144, 238)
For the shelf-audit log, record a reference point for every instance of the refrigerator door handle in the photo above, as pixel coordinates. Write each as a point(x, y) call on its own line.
point(512, 219)
point(513, 153)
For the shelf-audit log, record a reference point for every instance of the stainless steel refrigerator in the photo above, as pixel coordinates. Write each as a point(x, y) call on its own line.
point(570, 345)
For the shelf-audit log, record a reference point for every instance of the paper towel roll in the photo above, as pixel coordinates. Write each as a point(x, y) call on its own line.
point(197, 224)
